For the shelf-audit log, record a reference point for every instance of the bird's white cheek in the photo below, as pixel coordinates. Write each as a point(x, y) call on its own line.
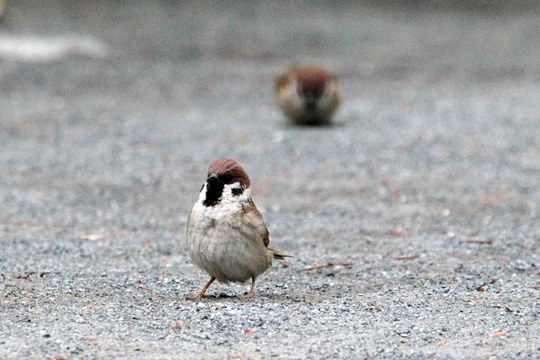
point(245, 196)
point(288, 96)
point(295, 98)
point(228, 196)
point(228, 206)
point(202, 194)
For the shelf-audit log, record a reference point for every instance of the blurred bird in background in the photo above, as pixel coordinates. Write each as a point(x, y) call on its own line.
point(308, 94)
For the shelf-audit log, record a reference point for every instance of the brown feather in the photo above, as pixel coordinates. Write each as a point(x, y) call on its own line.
point(312, 78)
point(226, 166)
point(254, 223)
point(279, 256)
point(253, 217)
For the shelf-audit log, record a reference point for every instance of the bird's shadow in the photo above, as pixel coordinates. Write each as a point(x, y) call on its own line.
point(325, 125)
point(261, 297)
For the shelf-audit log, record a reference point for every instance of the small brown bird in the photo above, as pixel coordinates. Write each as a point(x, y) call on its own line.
point(226, 234)
point(308, 94)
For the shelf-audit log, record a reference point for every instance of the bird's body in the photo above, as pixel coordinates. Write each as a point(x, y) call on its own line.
point(308, 94)
point(226, 245)
point(226, 234)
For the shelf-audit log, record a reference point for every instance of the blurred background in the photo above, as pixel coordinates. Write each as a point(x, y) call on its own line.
point(116, 96)
point(110, 112)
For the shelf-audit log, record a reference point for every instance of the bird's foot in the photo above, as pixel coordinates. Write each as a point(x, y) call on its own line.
point(195, 297)
point(249, 295)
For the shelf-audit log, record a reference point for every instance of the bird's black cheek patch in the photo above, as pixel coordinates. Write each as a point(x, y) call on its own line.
point(237, 191)
point(214, 190)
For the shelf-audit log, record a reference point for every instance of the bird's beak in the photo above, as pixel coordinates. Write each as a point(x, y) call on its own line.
point(212, 176)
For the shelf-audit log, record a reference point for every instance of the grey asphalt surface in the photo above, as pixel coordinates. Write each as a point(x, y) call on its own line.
point(428, 184)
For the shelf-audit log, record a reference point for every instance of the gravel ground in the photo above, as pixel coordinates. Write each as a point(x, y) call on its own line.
point(427, 186)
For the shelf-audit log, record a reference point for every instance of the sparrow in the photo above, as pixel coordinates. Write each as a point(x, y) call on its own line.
point(308, 94)
point(226, 233)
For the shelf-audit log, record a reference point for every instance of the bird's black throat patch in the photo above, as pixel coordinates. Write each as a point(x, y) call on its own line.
point(214, 191)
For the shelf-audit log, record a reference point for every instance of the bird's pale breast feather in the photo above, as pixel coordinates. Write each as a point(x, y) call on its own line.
point(229, 241)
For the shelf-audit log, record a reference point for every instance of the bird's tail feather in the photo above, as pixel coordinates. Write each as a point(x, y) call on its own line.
point(278, 255)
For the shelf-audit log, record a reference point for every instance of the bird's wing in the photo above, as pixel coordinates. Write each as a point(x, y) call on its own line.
point(252, 224)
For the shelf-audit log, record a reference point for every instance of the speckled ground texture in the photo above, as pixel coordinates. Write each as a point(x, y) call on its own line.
point(427, 186)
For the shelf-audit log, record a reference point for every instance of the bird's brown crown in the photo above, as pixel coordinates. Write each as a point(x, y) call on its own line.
point(225, 167)
point(312, 78)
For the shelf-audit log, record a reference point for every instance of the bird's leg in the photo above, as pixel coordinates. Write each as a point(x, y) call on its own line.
point(200, 295)
point(251, 292)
